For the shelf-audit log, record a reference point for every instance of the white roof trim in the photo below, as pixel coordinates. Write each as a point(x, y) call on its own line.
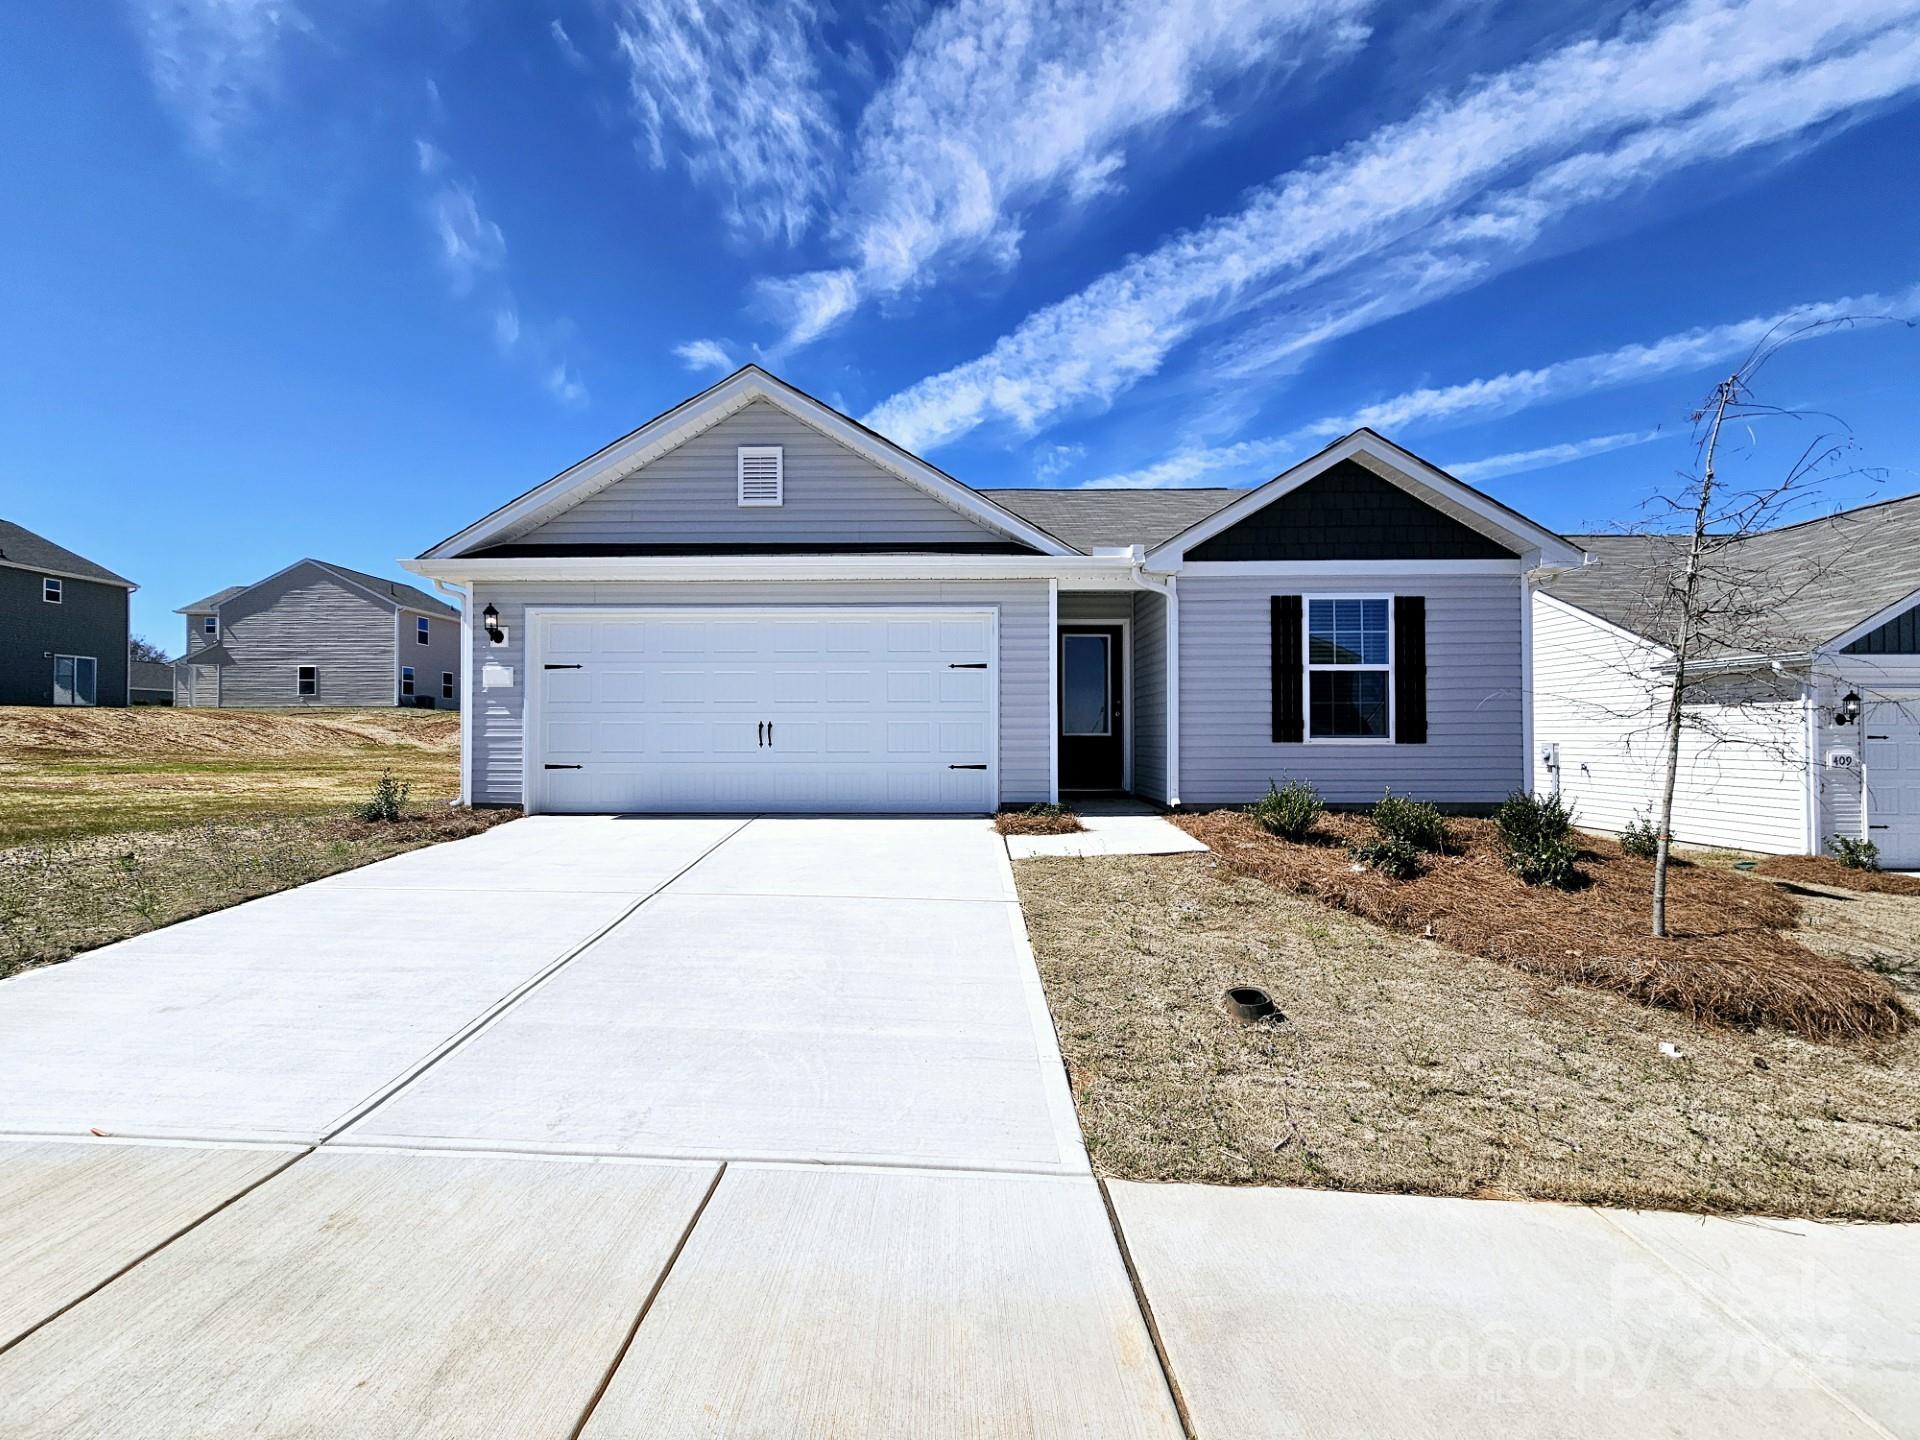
point(1524, 533)
point(1873, 622)
point(666, 431)
point(1093, 572)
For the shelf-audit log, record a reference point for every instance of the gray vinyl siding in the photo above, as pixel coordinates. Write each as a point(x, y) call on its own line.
point(688, 496)
point(441, 654)
point(1150, 695)
point(1026, 656)
point(307, 617)
point(91, 619)
point(1474, 750)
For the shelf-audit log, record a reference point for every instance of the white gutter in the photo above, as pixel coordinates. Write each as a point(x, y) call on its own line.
point(1102, 571)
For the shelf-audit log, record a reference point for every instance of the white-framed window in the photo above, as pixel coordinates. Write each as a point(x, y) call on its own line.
point(307, 680)
point(406, 680)
point(422, 632)
point(76, 680)
point(1349, 649)
point(761, 472)
point(446, 684)
point(50, 589)
point(210, 625)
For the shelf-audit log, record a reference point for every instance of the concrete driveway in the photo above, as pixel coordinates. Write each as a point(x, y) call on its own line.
point(651, 1126)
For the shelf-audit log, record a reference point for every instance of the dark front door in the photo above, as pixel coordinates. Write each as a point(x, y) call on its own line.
point(1092, 753)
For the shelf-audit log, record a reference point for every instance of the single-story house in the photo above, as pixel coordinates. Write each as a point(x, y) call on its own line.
point(315, 634)
point(150, 682)
point(1807, 725)
point(754, 603)
point(63, 624)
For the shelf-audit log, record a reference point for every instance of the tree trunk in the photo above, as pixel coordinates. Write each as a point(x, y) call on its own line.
point(1723, 396)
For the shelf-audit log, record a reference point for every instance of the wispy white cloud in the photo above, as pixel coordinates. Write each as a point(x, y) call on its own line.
point(471, 245)
point(563, 42)
point(737, 91)
point(1416, 210)
point(1515, 390)
point(472, 251)
point(1515, 461)
point(704, 355)
point(997, 106)
point(214, 63)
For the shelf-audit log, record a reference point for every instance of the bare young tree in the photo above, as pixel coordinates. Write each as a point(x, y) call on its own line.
point(1726, 663)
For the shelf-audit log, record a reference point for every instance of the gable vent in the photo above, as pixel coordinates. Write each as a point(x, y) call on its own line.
point(762, 472)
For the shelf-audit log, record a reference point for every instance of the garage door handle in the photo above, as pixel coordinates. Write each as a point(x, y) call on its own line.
point(761, 731)
point(975, 665)
point(563, 667)
point(966, 767)
point(562, 767)
point(769, 734)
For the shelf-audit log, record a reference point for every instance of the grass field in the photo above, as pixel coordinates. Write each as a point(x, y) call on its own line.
point(1403, 1065)
point(95, 772)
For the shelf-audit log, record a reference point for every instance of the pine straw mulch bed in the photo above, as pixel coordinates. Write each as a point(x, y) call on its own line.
point(1728, 961)
point(1825, 870)
point(1037, 820)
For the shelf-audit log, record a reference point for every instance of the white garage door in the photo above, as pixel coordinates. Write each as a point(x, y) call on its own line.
point(1892, 731)
point(804, 709)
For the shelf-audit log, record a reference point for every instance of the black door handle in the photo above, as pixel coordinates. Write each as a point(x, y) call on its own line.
point(769, 734)
point(761, 731)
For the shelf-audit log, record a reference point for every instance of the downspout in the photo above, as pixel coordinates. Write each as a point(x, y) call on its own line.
point(464, 593)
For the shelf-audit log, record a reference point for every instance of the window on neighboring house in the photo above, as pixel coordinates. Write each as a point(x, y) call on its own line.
point(446, 684)
point(1349, 667)
point(50, 590)
point(406, 680)
point(309, 680)
point(210, 625)
point(420, 630)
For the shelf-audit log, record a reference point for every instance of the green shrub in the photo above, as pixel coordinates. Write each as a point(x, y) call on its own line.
point(1414, 822)
point(1391, 856)
point(1289, 812)
point(386, 802)
point(1639, 839)
point(1537, 836)
point(1854, 854)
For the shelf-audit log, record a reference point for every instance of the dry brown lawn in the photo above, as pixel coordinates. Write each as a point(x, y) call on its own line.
point(62, 896)
point(1732, 958)
point(1406, 1066)
point(1827, 871)
point(80, 772)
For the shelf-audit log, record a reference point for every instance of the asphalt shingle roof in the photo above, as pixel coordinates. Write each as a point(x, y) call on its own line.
point(1819, 578)
point(208, 602)
point(21, 547)
point(1091, 518)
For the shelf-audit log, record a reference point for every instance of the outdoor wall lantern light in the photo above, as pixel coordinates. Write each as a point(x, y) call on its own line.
point(1849, 710)
point(490, 618)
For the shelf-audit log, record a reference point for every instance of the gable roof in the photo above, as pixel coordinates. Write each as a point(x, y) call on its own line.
point(1454, 498)
point(21, 549)
point(401, 597)
point(671, 427)
point(1095, 518)
point(1827, 575)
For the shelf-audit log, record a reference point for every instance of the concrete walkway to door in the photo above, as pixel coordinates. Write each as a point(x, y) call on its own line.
point(599, 1125)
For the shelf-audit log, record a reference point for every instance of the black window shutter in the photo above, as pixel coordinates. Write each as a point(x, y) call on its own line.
point(1289, 671)
point(1410, 669)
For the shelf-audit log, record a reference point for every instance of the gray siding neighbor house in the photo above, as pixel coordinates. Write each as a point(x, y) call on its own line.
point(755, 603)
point(63, 625)
point(318, 635)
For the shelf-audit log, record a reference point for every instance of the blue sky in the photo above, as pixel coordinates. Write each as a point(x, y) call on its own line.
point(336, 278)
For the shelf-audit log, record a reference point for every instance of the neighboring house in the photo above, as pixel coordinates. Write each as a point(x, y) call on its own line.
point(316, 634)
point(1807, 728)
point(150, 682)
point(63, 625)
point(752, 602)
